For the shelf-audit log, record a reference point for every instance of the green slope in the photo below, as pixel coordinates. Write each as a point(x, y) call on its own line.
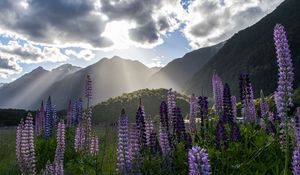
point(109, 111)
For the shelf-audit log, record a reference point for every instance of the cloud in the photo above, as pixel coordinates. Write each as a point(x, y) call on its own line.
point(83, 54)
point(63, 22)
point(28, 53)
point(8, 66)
point(82, 22)
point(209, 22)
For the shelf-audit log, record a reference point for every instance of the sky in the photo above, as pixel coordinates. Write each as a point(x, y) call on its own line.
point(50, 33)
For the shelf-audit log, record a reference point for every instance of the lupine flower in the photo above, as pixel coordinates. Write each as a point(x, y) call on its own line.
point(37, 123)
point(74, 114)
point(25, 146)
point(217, 85)
point(234, 109)
point(247, 99)
point(284, 91)
point(58, 164)
point(198, 161)
point(140, 123)
point(48, 119)
point(193, 114)
point(286, 77)
point(221, 138)
point(123, 161)
point(203, 106)
point(264, 106)
point(54, 116)
point(94, 145)
point(164, 118)
point(69, 114)
point(80, 139)
point(171, 102)
point(235, 134)
point(227, 116)
point(164, 140)
point(149, 130)
point(178, 125)
point(79, 110)
point(88, 89)
point(296, 153)
point(134, 149)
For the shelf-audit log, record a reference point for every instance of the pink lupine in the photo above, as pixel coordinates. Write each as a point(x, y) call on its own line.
point(25, 150)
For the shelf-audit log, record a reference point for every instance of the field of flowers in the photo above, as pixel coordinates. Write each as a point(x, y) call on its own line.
point(244, 138)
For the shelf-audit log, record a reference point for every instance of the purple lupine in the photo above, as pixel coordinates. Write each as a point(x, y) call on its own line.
point(48, 119)
point(234, 109)
point(69, 114)
point(171, 103)
point(58, 164)
point(164, 140)
point(80, 139)
point(235, 133)
point(42, 115)
point(296, 153)
point(54, 116)
point(25, 146)
point(227, 116)
point(198, 161)
point(217, 85)
point(79, 110)
point(88, 89)
point(247, 99)
point(94, 145)
point(264, 106)
point(164, 118)
point(149, 129)
point(140, 124)
point(178, 125)
point(285, 81)
point(123, 160)
point(285, 70)
point(37, 123)
point(193, 114)
point(74, 114)
point(203, 106)
point(221, 138)
point(134, 149)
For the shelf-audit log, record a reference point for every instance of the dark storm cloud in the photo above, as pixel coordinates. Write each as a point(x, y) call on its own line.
point(145, 34)
point(62, 21)
point(5, 64)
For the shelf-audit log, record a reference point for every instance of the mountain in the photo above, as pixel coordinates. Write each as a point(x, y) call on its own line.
point(109, 111)
point(177, 72)
point(110, 78)
point(252, 50)
point(26, 91)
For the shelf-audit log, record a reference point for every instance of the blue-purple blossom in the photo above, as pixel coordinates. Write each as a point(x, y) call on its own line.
point(217, 85)
point(88, 89)
point(193, 114)
point(178, 125)
point(69, 114)
point(164, 140)
point(123, 157)
point(221, 138)
point(48, 119)
point(264, 106)
point(198, 161)
point(247, 99)
point(234, 109)
point(203, 106)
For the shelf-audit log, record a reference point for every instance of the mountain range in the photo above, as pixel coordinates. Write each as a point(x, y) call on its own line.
point(251, 50)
